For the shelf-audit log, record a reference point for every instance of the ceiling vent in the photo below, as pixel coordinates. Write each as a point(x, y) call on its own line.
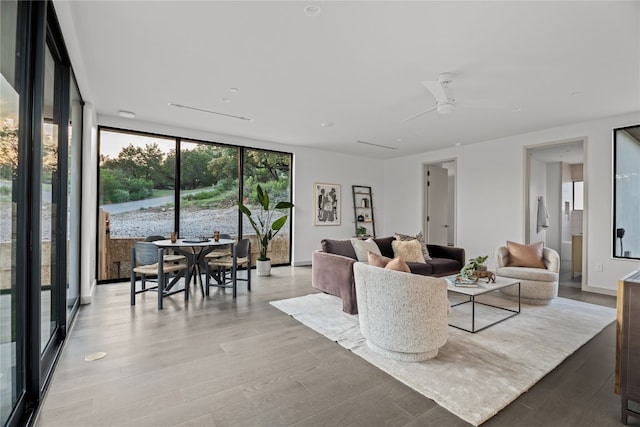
point(376, 145)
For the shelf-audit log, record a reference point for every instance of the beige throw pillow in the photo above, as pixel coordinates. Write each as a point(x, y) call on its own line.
point(525, 255)
point(362, 247)
point(397, 264)
point(378, 260)
point(420, 238)
point(408, 251)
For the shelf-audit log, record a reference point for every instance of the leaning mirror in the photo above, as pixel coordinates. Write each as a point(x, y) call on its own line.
point(626, 192)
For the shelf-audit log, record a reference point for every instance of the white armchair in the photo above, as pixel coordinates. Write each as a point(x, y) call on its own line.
point(403, 316)
point(537, 285)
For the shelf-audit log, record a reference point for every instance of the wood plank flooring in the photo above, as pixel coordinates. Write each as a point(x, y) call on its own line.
point(225, 362)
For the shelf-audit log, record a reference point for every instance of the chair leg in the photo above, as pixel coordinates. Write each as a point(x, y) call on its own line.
point(249, 276)
point(187, 280)
point(207, 278)
point(133, 288)
point(160, 287)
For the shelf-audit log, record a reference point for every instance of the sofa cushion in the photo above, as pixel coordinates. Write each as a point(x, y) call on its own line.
point(362, 247)
point(421, 268)
point(384, 243)
point(408, 250)
point(339, 247)
point(442, 266)
point(527, 273)
point(397, 264)
point(420, 238)
point(378, 260)
point(525, 255)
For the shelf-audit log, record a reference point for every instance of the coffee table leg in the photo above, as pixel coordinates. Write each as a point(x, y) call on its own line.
point(473, 314)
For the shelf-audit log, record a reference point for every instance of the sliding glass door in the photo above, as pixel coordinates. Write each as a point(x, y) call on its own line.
point(11, 347)
point(40, 227)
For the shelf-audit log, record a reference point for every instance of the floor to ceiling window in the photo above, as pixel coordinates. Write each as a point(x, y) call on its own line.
point(272, 171)
point(40, 153)
point(136, 195)
point(11, 383)
point(208, 189)
point(139, 195)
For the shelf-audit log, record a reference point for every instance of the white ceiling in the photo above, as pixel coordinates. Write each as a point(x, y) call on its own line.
point(359, 65)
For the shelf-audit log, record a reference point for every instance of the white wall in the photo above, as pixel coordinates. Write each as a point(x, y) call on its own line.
point(490, 194)
point(310, 166)
point(88, 273)
point(554, 202)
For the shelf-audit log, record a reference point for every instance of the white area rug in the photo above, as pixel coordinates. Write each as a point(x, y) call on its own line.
point(474, 375)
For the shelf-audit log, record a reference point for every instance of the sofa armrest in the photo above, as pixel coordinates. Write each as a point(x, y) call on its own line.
point(551, 260)
point(502, 257)
point(333, 274)
point(449, 252)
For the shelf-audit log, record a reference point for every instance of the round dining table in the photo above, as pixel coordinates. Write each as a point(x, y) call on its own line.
point(195, 249)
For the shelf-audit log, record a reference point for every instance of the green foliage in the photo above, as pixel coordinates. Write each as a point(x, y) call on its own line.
point(262, 219)
point(117, 188)
point(139, 172)
point(472, 265)
point(139, 188)
point(119, 196)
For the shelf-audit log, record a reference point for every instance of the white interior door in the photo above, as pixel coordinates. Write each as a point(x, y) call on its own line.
point(437, 205)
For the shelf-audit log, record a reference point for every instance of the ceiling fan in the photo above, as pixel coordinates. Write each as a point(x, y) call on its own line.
point(445, 103)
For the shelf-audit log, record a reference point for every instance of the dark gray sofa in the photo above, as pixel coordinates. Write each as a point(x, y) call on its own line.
point(332, 267)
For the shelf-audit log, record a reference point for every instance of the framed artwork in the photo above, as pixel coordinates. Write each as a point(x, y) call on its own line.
point(327, 202)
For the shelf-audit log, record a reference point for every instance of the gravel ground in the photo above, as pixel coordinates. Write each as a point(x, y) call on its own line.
point(193, 222)
point(155, 221)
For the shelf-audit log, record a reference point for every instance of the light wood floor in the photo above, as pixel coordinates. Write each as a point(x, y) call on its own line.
point(220, 362)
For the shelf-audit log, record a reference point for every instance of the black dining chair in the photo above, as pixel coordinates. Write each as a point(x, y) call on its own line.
point(147, 261)
point(172, 257)
point(226, 277)
point(221, 251)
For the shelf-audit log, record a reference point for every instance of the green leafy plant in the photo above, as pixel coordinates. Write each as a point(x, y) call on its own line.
point(361, 231)
point(472, 265)
point(262, 219)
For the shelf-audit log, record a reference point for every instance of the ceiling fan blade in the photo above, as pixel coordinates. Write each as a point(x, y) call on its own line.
point(436, 88)
point(420, 114)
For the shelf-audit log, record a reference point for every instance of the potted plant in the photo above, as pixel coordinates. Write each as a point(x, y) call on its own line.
point(472, 265)
point(265, 226)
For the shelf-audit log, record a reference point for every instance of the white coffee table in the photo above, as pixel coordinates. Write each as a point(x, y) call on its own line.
point(482, 289)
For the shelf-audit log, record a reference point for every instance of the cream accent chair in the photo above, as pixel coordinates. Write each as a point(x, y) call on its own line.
point(538, 286)
point(403, 316)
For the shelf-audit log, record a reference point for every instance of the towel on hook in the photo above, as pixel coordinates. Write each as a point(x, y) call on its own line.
point(543, 215)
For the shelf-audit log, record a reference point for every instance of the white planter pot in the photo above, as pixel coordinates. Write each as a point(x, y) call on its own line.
point(263, 268)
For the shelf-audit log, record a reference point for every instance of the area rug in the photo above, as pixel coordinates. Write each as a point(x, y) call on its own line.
point(474, 376)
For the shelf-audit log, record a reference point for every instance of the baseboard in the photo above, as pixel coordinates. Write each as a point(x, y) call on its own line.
point(302, 263)
point(598, 290)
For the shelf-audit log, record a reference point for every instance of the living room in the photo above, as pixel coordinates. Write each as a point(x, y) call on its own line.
point(548, 74)
point(491, 161)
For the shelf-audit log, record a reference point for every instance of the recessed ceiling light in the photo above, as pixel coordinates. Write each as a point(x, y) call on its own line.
point(234, 90)
point(577, 92)
point(326, 124)
point(398, 139)
point(516, 110)
point(457, 144)
point(127, 114)
point(225, 100)
point(312, 10)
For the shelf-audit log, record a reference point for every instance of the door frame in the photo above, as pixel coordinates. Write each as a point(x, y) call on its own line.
point(423, 186)
point(526, 150)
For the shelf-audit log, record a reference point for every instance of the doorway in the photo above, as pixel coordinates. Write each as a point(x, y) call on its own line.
point(554, 212)
point(439, 208)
